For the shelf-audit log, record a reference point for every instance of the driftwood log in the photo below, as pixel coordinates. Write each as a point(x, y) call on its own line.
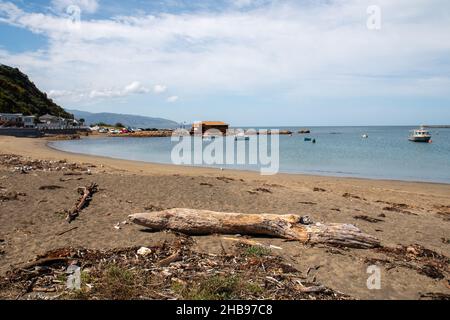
point(202, 222)
point(86, 195)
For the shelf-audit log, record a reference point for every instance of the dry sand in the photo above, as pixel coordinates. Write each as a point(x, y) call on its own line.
point(410, 213)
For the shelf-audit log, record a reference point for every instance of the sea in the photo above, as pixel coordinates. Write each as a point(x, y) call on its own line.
point(339, 151)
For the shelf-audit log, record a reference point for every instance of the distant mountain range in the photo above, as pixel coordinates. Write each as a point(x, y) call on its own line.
point(19, 95)
point(127, 120)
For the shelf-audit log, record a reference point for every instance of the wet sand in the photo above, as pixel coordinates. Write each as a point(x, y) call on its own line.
point(408, 213)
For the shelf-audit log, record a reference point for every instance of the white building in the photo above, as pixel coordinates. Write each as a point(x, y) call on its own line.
point(10, 117)
point(16, 120)
point(28, 121)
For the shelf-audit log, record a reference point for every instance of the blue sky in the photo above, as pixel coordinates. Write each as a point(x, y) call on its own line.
point(247, 62)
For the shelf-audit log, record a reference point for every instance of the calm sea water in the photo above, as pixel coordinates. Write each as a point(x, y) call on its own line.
point(339, 151)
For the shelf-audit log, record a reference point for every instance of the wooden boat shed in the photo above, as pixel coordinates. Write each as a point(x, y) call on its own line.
point(199, 128)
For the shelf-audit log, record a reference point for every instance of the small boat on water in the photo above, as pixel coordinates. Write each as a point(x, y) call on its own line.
point(209, 138)
point(365, 136)
point(241, 137)
point(420, 135)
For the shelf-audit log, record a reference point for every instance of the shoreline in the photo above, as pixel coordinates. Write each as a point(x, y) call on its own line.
point(40, 147)
point(298, 174)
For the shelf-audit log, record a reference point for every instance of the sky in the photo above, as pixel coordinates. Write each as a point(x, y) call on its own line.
point(246, 62)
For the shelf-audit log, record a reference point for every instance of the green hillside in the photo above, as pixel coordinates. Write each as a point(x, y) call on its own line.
point(19, 95)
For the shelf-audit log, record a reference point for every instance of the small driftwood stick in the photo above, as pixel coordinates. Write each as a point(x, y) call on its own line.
point(86, 194)
point(170, 259)
point(43, 262)
point(202, 222)
point(66, 231)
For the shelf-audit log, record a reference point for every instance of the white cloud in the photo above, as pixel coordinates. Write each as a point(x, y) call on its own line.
point(301, 50)
point(77, 95)
point(135, 87)
point(89, 6)
point(159, 88)
point(172, 99)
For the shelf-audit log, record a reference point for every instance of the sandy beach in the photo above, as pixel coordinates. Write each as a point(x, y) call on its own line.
point(398, 213)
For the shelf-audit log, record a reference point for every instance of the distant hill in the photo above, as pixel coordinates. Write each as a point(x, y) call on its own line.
point(19, 95)
point(126, 119)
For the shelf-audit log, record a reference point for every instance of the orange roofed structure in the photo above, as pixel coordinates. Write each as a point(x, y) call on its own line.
point(199, 128)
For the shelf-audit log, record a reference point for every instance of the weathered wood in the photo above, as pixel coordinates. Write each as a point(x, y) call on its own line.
point(86, 194)
point(202, 222)
point(44, 261)
point(170, 259)
point(66, 231)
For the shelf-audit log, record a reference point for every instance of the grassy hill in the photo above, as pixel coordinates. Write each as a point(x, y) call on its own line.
point(19, 95)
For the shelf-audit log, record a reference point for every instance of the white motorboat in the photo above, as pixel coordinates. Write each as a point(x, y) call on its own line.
point(420, 135)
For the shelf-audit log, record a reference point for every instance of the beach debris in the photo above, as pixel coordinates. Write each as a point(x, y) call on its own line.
point(174, 270)
point(399, 208)
point(431, 272)
point(259, 190)
point(143, 251)
point(225, 179)
point(435, 296)
point(119, 225)
point(203, 222)
point(86, 196)
point(25, 165)
point(70, 179)
point(11, 195)
point(319, 190)
point(416, 257)
point(151, 207)
point(368, 219)
point(313, 289)
point(66, 231)
point(51, 187)
point(252, 243)
point(306, 220)
point(170, 259)
point(2, 243)
point(308, 203)
point(73, 174)
point(443, 211)
point(352, 196)
point(206, 184)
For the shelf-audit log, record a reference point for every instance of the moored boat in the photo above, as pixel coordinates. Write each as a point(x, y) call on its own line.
point(420, 135)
